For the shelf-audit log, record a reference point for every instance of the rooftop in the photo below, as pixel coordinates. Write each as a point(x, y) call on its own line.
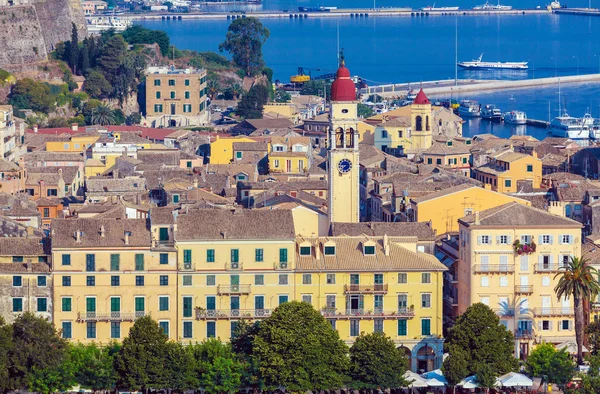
point(515, 214)
point(106, 233)
point(420, 230)
point(171, 70)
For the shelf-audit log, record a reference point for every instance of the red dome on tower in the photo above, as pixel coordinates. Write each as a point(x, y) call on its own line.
point(343, 88)
point(421, 98)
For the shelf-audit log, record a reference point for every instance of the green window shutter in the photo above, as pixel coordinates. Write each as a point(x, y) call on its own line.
point(139, 262)
point(90, 304)
point(115, 260)
point(235, 255)
point(425, 327)
point(187, 256)
point(402, 327)
point(66, 304)
point(210, 255)
point(258, 255)
point(187, 306)
point(283, 255)
point(115, 304)
point(139, 304)
point(66, 259)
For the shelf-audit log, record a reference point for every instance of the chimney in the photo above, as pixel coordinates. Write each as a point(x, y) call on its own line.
point(477, 223)
point(386, 245)
point(224, 234)
point(30, 231)
point(74, 126)
point(127, 234)
point(35, 128)
point(102, 232)
point(78, 236)
point(318, 250)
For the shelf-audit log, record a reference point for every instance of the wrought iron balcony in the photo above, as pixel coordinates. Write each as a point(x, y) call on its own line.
point(233, 289)
point(281, 266)
point(211, 314)
point(493, 268)
point(366, 289)
point(109, 316)
point(450, 300)
point(524, 334)
point(547, 267)
point(504, 312)
point(333, 313)
point(523, 289)
point(557, 311)
point(451, 278)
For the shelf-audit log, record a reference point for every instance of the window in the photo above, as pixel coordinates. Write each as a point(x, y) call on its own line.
point(369, 250)
point(158, 95)
point(17, 281)
point(438, 161)
point(186, 82)
point(187, 307)
point(402, 278)
point(186, 280)
point(546, 325)
point(66, 259)
point(52, 192)
point(305, 251)
point(402, 327)
point(330, 301)
point(67, 330)
point(425, 326)
point(187, 329)
point(17, 304)
point(306, 279)
point(115, 280)
point(163, 303)
point(172, 96)
point(235, 255)
point(524, 263)
point(66, 281)
point(157, 82)
point(329, 250)
point(67, 304)
point(165, 327)
point(276, 163)
point(507, 183)
point(378, 325)
point(425, 300)
point(283, 255)
point(210, 280)
point(139, 262)
point(485, 240)
point(258, 255)
point(307, 298)
point(545, 281)
point(503, 240)
point(115, 330)
point(90, 280)
point(164, 259)
point(47, 211)
point(331, 279)
point(90, 262)
point(529, 168)
point(158, 108)
point(41, 281)
point(546, 239)
point(115, 262)
point(283, 279)
point(525, 239)
point(91, 330)
point(210, 256)
point(383, 133)
point(283, 299)
point(187, 107)
point(354, 327)
point(332, 322)
point(504, 281)
point(429, 160)
point(485, 281)
point(565, 324)
point(425, 277)
point(566, 239)
point(171, 82)
point(139, 280)
point(259, 280)
point(211, 329)
point(164, 280)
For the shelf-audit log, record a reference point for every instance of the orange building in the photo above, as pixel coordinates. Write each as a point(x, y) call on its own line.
point(49, 209)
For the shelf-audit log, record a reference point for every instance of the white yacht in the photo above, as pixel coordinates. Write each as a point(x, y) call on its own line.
point(491, 112)
point(97, 23)
point(479, 64)
point(515, 117)
point(566, 126)
point(490, 7)
point(434, 8)
point(469, 109)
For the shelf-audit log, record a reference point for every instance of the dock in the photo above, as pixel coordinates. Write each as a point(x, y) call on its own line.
point(538, 123)
point(577, 11)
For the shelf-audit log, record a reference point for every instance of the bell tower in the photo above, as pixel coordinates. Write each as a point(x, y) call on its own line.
point(342, 150)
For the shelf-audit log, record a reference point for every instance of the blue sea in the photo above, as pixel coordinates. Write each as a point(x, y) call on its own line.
point(413, 49)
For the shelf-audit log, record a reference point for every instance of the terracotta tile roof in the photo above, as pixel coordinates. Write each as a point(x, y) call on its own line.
point(442, 148)
point(130, 138)
point(515, 214)
point(162, 216)
point(43, 156)
point(251, 146)
point(212, 224)
point(33, 267)
point(156, 177)
point(510, 157)
point(400, 121)
point(420, 230)
point(370, 155)
point(443, 193)
point(64, 233)
point(69, 173)
point(285, 186)
point(22, 246)
point(231, 169)
point(49, 178)
point(158, 158)
point(47, 202)
point(115, 185)
point(201, 195)
point(349, 256)
point(563, 176)
point(280, 123)
point(8, 166)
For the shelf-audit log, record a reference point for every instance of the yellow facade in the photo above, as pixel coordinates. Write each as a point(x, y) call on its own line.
point(366, 133)
point(505, 171)
point(285, 110)
point(77, 143)
point(444, 208)
point(519, 287)
point(221, 149)
point(94, 167)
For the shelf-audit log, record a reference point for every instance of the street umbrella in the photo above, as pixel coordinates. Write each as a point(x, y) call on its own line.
point(470, 382)
point(415, 380)
point(437, 375)
point(570, 347)
point(513, 379)
point(435, 383)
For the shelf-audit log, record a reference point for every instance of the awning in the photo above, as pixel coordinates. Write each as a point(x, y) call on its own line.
point(513, 379)
point(570, 347)
point(415, 380)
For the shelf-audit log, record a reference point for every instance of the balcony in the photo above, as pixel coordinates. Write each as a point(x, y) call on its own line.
point(549, 311)
point(595, 306)
point(332, 313)
point(366, 289)
point(280, 266)
point(163, 243)
point(233, 289)
point(233, 266)
point(493, 268)
point(504, 312)
point(547, 267)
point(450, 300)
point(524, 334)
point(451, 278)
point(109, 316)
point(211, 314)
point(523, 289)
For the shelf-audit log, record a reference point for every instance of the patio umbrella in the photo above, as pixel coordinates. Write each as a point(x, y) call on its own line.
point(570, 347)
point(415, 380)
point(435, 383)
point(513, 379)
point(470, 382)
point(437, 375)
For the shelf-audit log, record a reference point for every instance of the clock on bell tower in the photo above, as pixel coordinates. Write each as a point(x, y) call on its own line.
point(342, 150)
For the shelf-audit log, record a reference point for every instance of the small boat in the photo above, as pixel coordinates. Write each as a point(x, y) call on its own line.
point(515, 117)
point(469, 109)
point(490, 7)
point(98, 24)
point(491, 112)
point(566, 126)
point(479, 64)
point(434, 8)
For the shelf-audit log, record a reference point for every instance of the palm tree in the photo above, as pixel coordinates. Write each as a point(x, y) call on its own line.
point(236, 90)
point(579, 280)
point(103, 115)
point(213, 88)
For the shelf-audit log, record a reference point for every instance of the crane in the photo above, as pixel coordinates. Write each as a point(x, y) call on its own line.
point(302, 77)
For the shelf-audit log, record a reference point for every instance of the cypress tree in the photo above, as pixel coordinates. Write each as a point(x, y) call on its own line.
point(74, 49)
point(84, 58)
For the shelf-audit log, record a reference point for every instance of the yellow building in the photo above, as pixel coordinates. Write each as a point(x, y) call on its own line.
point(290, 155)
point(107, 274)
point(451, 154)
point(285, 110)
point(508, 259)
point(445, 207)
point(506, 170)
point(77, 143)
point(221, 149)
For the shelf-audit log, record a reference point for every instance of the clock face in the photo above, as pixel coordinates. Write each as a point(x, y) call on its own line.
point(344, 166)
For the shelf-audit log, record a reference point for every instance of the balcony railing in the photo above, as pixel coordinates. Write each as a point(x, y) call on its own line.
point(109, 316)
point(493, 268)
point(524, 334)
point(281, 266)
point(547, 267)
point(523, 289)
point(451, 278)
point(233, 266)
point(209, 314)
point(233, 289)
point(450, 300)
point(549, 311)
point(333, 313)
point(369, 289)
point(504, 312)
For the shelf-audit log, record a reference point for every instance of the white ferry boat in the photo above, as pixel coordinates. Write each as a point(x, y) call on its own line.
point(469, 109)
point(491, 112)
point(515, 117)
point(97, 24)
point(434, 8)
point(566, 126)
point(477, 64)
point(490, 7)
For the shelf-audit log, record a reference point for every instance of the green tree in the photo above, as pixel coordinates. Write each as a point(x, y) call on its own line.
point(137, 34)
point(29, 94)
point(219, 370)
point(315, 88)
point(376, 362)
point(545, 360)
point(94, 365)
point(233, 92)
point(538, 361)
point(241, 344)
point(578, 280)
point(485, 376)
point(84, 57)
point(133, 119)
point(252, 103)
point(181, 367)
point(365, 111)
point(140, 361)
point(37, 352)
point(214, 88)
point(103, 115)
point(52, 379)
point(281, 96)
point(297, 349)
point(593, 334)
point(244, 41)
point(479, 339)
point(74, 49)
point(96, 85)
point(561, 368)
point(111, 58)
point(6, 346)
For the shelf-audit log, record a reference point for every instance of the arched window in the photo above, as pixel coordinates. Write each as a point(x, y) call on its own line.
point(427, 123)
point(350, 138)
point(407, 354)
point(419, 123)
point(425, 359)
point(339, 138)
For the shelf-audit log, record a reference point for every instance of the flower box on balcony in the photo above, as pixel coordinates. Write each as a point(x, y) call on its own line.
point(525, 248)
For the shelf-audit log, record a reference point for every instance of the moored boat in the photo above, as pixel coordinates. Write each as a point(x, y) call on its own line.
point(479, 64)
point(491, 112)
point(515, 117)
point(567, 126)
point(434, 8)
point(469, 109)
